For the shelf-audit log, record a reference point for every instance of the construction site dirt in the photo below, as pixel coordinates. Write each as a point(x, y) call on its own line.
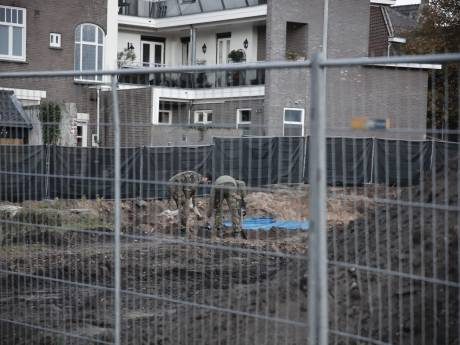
point(391, 271)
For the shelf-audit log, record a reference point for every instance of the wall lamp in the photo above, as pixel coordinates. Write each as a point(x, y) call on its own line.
point(204, 48)
point(245, 44)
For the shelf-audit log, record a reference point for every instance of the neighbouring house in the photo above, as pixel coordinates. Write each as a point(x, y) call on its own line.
point(412, 11)
point(55, 35)
point(15, 125)
point(389, 27)
point(191, 108)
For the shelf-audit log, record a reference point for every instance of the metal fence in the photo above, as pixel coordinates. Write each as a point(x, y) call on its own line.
point(356, 242)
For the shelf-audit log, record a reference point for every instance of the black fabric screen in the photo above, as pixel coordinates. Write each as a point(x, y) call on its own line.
point(159, 164)
point(40, 172)
point(399, 162)
point(22, 173)
point(259, 161)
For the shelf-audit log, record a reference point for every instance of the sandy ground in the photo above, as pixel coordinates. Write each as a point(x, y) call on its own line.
point(194, 289)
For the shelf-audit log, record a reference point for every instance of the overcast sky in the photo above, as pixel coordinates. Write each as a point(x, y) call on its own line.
point(407, 2)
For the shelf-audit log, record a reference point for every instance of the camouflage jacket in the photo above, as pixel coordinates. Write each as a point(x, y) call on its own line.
point(238, 185)
point(187, 180)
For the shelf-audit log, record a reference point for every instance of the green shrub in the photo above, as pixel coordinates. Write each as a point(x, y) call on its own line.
point(50, 117)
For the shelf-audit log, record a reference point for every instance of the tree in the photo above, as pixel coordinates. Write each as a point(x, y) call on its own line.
point(438, 31)
point(50, 117)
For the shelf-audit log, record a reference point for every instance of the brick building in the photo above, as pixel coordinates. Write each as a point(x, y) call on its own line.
point(191, 108)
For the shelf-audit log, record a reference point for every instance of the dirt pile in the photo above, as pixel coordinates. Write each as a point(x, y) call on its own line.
point(193, 289)
point(411, 244)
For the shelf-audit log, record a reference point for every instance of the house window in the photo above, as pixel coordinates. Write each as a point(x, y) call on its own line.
point(55, 40)
point(293, 122)
point(89, 50)
point(165, 117)
point(244, 116)
point(81, 134)
point(203, 116)
point(12, 33)
point(243, 120)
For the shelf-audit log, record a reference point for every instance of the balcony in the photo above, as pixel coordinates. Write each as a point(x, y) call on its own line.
point(198, 80)
point(174, 8)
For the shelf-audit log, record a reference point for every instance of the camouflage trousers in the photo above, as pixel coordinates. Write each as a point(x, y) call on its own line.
point(232, 199)
point(182, 200)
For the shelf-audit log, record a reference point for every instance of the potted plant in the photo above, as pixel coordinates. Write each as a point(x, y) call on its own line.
point(126, 57)
point(294, 56)
point(235, 77)
point(237, 56)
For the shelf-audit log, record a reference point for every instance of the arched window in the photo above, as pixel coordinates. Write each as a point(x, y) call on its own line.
point(89, 50)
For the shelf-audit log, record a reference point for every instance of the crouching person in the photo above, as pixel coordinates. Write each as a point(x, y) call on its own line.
point(183, 191)
point(233, 192)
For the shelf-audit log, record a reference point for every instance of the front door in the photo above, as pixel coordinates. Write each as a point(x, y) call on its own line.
point(223, 49)
point(152, 54)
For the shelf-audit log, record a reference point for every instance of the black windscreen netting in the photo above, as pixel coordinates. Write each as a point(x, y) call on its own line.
point(22, 172)
point(41, 172)
point(348, 161)
point(159, 164)
point(88, 172)
point(399, 162)
point(259, 161)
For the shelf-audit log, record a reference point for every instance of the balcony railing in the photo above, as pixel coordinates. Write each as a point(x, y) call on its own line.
point(173, 8)
point(198, 80)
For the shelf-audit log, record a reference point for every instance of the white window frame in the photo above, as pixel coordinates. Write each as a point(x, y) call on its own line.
point(226, 49)
point(205, 120)
point(10, 56)
point(53, 36)
point(151, 62)
point(94, 141)
point(301, 123)
point(238, 116)
point(82, 120)
point(97, 79)
point(169, 115)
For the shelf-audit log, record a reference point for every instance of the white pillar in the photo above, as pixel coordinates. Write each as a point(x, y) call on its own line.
point(193, 45)
point(111, 41)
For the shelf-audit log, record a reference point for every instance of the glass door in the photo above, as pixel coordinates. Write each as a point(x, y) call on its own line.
point(223, 49)
point(152, 54)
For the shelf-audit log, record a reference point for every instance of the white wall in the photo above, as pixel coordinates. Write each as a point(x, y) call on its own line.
point(173, 47)
point(239, 34)
point(112, 37)
point(134, 39)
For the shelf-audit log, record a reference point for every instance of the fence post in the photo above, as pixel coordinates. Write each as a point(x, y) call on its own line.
point(141, 175)
point(117, 208)
point(372, 160)
point(47, 171)
point(318, 290)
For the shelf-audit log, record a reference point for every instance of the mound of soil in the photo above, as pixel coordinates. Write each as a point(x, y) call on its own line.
point(410, 294)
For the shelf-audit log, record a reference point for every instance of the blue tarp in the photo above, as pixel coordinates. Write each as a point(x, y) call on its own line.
point(267, 223)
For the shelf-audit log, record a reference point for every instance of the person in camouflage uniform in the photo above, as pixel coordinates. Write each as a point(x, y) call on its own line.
point(183, 191)
point(233, 192)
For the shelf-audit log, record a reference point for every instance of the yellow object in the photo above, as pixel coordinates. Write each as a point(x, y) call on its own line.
point(359, 122)
point(363, 122)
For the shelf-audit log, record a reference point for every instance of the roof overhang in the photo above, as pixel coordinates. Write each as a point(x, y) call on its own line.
point(247, 13)
point(383, 2)
point(400, 40)
point(12, 113)
point(195, 94)
point(410, 65)
point(25, 94)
